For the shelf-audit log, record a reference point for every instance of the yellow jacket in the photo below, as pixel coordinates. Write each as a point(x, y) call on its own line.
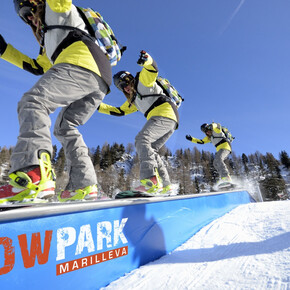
point(150, 105)
point(72, 48)
point(218, 138)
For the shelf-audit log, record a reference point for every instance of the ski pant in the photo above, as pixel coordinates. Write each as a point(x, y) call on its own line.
point(149, 140)
point(219, 163)
point(79, 92)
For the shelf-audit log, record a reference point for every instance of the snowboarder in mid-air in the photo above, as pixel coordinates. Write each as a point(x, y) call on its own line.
point(76, 77)
point(145, 95)
point(221, 138)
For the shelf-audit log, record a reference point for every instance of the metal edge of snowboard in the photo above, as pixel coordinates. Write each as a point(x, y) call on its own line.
point(52, 209)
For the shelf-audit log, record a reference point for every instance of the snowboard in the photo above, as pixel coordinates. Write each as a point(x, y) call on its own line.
point(138, 194)
point(225, 186)
point(133, 194)
point(39, 203)
point(10, 206)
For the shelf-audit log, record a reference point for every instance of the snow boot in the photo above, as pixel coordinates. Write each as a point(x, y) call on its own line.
point(150, 185)
point(168, 190)
point(83, 194)
point(36, 185)
point(225, 182)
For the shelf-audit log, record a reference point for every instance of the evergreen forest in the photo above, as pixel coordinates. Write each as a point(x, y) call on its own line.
point(191, 170)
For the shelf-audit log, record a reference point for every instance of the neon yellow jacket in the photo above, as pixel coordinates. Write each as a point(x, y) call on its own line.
point(150, 105)
point(218, 138)
point(81, 51)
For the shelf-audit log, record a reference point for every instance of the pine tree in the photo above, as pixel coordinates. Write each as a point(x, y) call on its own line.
point(129, 148)
point(245, 161)
point(114, 153)
point(61, 174)
point(135, 171)
point(284, 158)
point(60, 162)
point(4, 155)
point(167, 153)
point(196, 156)
point(272, 164)
point(108, 180)
point(54, 155)
point(196, 183)
point(106, 158)
point(121, 183)
point(97, 156)
point(164, 151)
point(214, 176)
point(206, 175)
point(273, 188)
point(181, 190)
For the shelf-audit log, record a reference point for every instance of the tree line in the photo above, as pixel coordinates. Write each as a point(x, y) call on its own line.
point(192, 170)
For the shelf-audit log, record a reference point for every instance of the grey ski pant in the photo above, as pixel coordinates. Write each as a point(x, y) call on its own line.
point(79, 92)
point(219, 163)
point(149, 140)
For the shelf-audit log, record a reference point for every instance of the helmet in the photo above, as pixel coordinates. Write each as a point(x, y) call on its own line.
point(205, 127)
point(122, 79)
point(24, 8)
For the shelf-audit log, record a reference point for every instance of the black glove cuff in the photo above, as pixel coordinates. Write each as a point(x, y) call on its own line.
point(3, 46)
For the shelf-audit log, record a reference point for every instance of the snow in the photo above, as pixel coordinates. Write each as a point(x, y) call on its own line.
point(248, 248)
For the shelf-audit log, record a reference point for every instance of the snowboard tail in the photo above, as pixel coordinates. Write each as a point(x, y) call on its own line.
point(225, 186)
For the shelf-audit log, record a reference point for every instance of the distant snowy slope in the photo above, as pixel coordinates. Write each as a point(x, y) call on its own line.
point(248, 248)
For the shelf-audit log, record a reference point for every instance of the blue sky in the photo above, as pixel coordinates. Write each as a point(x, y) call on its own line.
point(229, 60)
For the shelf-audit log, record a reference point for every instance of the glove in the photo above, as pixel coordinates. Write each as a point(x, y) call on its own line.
point(3, 45)
point(188, 137)
point(143, 57)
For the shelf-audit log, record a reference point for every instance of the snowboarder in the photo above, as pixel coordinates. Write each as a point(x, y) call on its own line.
point(76, 76)
point(216, 135)
point(145, 95)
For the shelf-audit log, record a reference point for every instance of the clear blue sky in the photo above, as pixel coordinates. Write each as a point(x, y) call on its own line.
point(230, 60)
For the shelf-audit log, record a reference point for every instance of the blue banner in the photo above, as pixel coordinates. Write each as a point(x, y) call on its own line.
point(88, 249)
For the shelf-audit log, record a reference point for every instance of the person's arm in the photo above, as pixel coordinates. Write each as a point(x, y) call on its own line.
point(125, 109)
point(35, 66)
point(196, 140)
point(149, 72)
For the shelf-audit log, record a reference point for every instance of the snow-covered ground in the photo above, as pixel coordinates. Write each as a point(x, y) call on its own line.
point(248, 248)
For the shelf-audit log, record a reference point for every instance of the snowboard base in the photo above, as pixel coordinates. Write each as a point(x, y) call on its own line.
point(9, 206)
point(225, 186)
point(138, 194)
point(133, 194)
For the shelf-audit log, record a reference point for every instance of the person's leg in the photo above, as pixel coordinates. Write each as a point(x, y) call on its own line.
point(155, 128)
point(170, 125)
point(219, 163)
point(79, 164)
point(59, 87)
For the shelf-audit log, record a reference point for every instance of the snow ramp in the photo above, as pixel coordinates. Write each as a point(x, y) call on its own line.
point(88, 245)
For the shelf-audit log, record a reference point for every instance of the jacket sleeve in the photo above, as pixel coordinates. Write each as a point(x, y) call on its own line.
point(35, 66)
point(59, 6)
point(149, 72)
point(199, 141)
point(125, 109)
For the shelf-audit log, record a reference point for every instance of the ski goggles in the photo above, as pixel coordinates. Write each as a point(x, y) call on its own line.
point(206, 128)
point(25, 12)
point(124, 82)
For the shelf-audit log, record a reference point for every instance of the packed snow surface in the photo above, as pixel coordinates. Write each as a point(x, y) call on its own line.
point(248, 248)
